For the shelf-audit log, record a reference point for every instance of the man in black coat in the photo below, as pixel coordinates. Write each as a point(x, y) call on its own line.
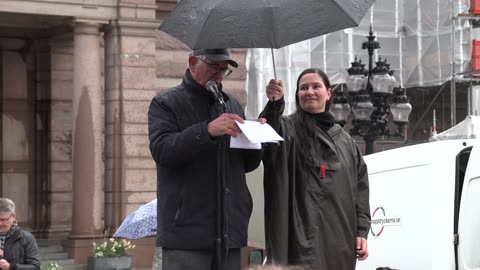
point(18, 248)
point(189, 136)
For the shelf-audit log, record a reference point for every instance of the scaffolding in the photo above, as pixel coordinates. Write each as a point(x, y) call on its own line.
point(471, 76)
point(420, 39)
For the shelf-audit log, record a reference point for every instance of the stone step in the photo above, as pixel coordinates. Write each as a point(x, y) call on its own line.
point(50, 249)
point(75, 267)
point(60, 262)
point(48, 242)
point(52, 256)
point(67, 264)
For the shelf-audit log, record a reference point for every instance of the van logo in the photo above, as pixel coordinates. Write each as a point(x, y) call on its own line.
point(380, 220)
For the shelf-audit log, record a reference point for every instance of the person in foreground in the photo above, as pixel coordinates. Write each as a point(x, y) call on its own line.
point(18, 248)
point(317, 211)
point(185, 129)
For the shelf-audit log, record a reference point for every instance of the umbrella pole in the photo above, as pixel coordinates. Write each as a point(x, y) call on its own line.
point(273, 60)
point(273, 99)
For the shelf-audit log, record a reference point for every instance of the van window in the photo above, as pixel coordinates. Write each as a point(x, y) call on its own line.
point(460, 169)
point(469, 215)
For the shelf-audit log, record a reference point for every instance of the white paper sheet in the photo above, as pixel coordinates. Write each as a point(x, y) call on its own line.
point(253, 134)
point(241, 141)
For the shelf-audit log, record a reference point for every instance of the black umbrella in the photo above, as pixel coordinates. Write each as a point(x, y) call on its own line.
point(204, 24)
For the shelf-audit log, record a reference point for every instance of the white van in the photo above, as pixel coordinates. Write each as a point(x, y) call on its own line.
point(425, 206)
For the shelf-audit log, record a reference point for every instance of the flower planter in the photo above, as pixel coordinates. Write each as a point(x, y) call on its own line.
point(109, 263)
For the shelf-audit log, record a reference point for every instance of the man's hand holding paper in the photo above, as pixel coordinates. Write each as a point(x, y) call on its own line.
point(254, 133)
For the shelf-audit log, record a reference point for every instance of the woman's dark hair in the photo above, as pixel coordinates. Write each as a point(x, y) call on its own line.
point(305, 124)
point(325, 80)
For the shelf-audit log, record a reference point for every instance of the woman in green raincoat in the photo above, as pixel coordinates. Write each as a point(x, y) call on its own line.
point(317, 211)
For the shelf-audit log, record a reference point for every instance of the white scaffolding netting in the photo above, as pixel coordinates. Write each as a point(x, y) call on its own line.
point(415, 37)
point(467, 129)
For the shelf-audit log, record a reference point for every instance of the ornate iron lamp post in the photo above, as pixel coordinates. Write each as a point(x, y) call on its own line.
point(370, 98)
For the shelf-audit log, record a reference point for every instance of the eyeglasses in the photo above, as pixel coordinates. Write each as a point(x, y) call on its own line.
point(3, 220)
point(226, 71)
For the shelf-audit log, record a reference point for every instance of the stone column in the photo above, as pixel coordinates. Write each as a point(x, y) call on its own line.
point(57, 90)
point(88, 165)
point(130, 77)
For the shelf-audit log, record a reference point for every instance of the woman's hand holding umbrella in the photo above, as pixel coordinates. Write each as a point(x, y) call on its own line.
point(274, 90)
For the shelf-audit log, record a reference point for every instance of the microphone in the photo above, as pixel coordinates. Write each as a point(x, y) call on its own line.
point(212, 87)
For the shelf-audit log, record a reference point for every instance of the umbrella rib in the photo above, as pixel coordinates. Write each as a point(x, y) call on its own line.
point(344, 12)
point(204, 24)
point(275, 37)
point(201, 30)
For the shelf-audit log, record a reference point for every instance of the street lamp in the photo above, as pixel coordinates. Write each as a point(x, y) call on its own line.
point(371, 96)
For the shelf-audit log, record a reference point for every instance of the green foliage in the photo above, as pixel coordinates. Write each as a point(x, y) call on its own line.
point(112, 248)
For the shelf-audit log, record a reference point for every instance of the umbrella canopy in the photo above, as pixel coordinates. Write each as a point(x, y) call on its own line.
point(202, 24)
point(140, 223)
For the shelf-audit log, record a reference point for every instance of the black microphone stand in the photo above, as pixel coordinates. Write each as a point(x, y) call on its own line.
point(221, 108)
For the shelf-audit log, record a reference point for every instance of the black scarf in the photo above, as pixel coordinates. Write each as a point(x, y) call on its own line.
point(9, 233)
point(324, 120)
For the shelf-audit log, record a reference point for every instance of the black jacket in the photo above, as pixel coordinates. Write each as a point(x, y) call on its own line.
point(313, 215)
point(21, 251)
point(186, 158)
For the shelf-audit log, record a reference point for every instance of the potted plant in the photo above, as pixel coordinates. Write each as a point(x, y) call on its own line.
point(112, 254)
